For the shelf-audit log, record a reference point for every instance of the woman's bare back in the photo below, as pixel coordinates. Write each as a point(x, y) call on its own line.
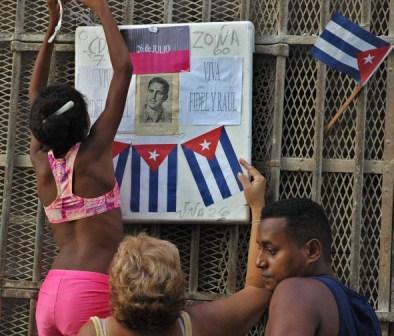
point(87, 243)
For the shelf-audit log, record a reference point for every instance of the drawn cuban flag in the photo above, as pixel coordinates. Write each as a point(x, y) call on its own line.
point(153, 178)
point(120, 154)
point(346, 47)
point(214, 165)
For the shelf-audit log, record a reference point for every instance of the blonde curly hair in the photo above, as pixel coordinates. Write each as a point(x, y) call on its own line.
point(147, 284)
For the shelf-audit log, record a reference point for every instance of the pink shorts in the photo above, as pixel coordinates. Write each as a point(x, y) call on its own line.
point(68, 298)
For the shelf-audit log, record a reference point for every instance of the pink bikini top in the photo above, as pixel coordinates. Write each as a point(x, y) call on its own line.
point(67, 206)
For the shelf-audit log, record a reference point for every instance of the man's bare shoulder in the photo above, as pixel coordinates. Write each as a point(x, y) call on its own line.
point(300, 290)
point(302, 306)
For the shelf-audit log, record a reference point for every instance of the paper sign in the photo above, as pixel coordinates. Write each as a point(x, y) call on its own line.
point(93, 83)
point(158, 50)
point(211, 93)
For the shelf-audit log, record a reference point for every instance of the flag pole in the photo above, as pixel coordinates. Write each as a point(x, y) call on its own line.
point(343, 108)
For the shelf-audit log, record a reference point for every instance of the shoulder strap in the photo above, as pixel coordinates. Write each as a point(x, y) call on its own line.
point(63, 170)
point(97, 326)
point(72, 154)
point(187, 323)
point(356, 315)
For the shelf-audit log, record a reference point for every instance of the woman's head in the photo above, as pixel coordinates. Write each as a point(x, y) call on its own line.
point(147, 284)
point(59, 131)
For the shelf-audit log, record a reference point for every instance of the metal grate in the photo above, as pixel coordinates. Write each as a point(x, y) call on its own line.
point(187, 11)
point(257, 330)
point(337, 196)
point(148, 11)
point(36, 16)
point(213, 259)
point(370, 233)
point(295, 184)
point(299, 108)
point(22, 227)
point(180, 235)
point(265, 16)
point(22, 122)
point(340, 142)
point(301, 24)
point(380, 12)
point(5, 92)
point(1, 184)
point(7, 14)
point(243, 242)
point(376, 111)
point(263, 106)
point(352, 11)
point(65, 70)
point(14, 317)
point(225, 10)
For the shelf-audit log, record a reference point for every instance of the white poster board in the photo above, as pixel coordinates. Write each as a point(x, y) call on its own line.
point(187, 118)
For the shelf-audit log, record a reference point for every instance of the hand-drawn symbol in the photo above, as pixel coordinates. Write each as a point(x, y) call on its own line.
point(96, 50)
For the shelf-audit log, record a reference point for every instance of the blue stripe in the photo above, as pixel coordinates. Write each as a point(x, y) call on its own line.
point(332, 62)
point(198, 176)
point(220, 180)
point(135, 181)
point(121, 165)
point(231, 156)
point(153, 190)
point(340, 44)
point(171, 182)
point(358, 31)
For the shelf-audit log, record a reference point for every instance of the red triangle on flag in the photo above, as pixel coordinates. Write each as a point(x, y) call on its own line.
point(118, 147)
point(369, 61)
point(154, 155)
point(205, 144)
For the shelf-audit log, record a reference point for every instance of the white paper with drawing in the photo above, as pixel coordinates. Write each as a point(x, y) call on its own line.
point(176, 152)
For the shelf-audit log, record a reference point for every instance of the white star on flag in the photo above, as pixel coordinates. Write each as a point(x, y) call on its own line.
point(205, 145)
point(153, 155)
point(368, 59)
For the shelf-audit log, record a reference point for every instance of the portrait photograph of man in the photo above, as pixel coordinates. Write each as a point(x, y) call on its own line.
point(156, 95)
point(157, 104)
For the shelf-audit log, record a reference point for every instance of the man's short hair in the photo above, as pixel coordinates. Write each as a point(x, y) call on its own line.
point(162, 81)
point(306, 220)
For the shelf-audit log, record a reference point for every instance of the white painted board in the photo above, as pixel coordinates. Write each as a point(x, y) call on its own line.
point(213, 96)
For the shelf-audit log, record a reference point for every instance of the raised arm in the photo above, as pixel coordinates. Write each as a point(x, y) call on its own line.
point(39, 78)
point(104, 129)
point(42, 64)
point(254, 192)
point(238, 313)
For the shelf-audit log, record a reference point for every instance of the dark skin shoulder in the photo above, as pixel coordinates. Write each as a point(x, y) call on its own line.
point(302, 307)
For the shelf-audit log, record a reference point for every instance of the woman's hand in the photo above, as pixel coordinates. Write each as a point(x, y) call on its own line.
point(254, 190)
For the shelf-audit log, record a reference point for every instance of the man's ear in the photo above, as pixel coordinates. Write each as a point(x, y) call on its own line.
point(313, 250)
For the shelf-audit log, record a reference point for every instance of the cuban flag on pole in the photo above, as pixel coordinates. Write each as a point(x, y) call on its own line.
point(120, 154)
point(346, 47)
point(214, 165)
point(153, 178)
